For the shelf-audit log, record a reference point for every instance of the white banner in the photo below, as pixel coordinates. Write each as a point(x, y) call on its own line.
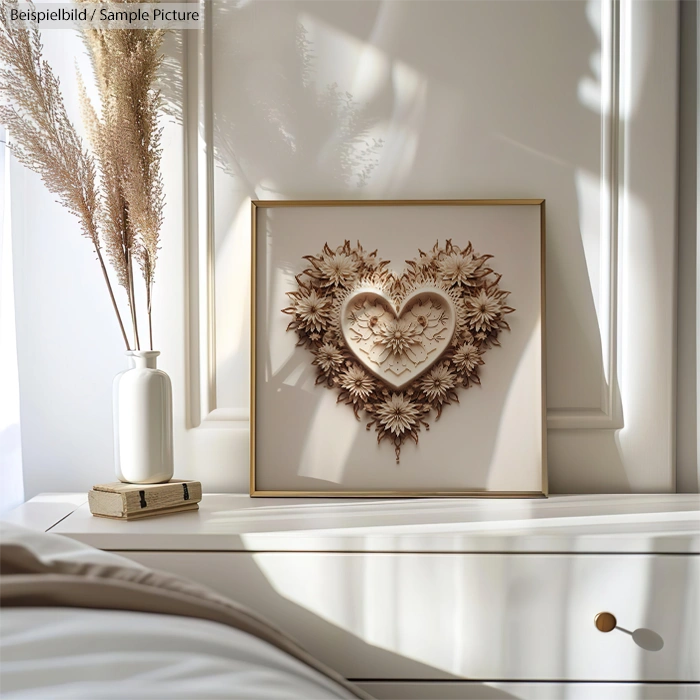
point(103, 15)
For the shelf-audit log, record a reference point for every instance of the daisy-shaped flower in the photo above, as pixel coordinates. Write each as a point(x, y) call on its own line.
point(457, 268)
point(438, 382)
point(312, 310)
point(357, 383)
point(329, 358)
point(397, 415)
point(399, 343)
point(399, 336)
point(338, 269)
point(467, 358)
point(484, 311)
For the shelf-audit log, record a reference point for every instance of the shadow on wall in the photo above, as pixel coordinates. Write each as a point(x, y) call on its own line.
point(283, 124)
point(273, 121)
point(419, 99)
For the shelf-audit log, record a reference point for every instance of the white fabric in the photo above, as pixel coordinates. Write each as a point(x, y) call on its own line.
point(54, 653)
point(12, 492)
point(55, 548)
point(84, 654)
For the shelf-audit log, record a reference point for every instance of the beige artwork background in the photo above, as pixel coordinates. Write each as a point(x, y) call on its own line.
point(492, 441)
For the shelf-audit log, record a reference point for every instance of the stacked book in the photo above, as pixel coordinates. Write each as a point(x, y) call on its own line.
point(132, 501)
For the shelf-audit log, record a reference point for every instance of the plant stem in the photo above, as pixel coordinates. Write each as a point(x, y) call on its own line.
point(111, 295)
point(132, 303)
point(148, 307)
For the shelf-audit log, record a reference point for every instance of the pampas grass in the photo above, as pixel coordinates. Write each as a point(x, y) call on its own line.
point(115, 188)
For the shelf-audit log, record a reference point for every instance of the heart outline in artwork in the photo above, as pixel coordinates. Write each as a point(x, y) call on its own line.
point(386, 369)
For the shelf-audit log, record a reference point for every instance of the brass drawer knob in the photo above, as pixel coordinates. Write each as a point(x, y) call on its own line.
point(605, 622)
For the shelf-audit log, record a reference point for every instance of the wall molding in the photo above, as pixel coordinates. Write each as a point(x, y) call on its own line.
point(202, 407)
point(199, 238)
point(608, 414)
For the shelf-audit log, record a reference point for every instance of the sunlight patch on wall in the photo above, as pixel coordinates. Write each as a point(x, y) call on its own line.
point(591, 92)
point(588, 192)
point(410, 90)
point(373, 72)
point(329, 441)
point(594, 215)
point(10, 435)
point(508, 447)
point(636, 37)
point(233, 282)
point(345, 55)
point(637, 249)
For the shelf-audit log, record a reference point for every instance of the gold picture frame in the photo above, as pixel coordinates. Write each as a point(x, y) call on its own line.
point(255, 491)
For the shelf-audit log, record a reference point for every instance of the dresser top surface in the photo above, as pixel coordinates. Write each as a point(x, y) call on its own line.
point(639, 523)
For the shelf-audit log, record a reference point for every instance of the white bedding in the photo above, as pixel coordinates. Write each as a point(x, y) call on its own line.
point(90, 654)
point(54, 653)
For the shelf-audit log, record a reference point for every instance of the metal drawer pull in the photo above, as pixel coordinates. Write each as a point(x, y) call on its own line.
point(642, 637)
point(605, 621)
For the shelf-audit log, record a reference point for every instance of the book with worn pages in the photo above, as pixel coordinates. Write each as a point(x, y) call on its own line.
point(132, 501)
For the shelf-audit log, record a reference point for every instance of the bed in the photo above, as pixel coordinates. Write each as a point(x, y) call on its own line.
point(80, 623)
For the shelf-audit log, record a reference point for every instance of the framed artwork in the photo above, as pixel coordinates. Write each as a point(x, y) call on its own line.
point(398, 348)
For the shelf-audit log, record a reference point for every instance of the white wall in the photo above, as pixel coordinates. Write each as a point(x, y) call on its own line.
point(12, 493)
point(688, 413)
point(377, 100)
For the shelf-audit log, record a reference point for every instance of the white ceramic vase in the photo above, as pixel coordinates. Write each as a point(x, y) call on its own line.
point(143, 421)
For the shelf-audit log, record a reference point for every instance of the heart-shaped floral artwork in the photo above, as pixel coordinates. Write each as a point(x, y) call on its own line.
point(398, 346)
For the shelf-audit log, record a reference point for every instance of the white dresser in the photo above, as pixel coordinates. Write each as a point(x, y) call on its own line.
point(446, 598)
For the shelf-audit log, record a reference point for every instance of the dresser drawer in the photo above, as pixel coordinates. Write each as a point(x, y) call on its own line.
point(469, 616)
point(473, 690)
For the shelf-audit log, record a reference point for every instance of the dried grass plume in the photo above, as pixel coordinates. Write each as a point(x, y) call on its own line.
point(116, 187)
